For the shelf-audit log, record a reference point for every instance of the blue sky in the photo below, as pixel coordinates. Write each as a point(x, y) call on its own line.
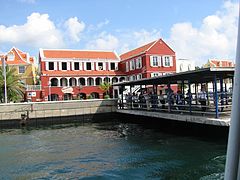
point(196, 30)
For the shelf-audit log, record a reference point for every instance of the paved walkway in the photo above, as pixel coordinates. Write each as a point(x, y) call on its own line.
point(224, 121)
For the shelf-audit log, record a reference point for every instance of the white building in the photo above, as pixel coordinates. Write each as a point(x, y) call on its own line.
point(184, 65)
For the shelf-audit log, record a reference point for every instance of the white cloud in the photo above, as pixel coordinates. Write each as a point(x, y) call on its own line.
point(215, 38)
point(143, 36)
point(38, 31)
point(104, 41)
point(129, 39)
point(74, 28)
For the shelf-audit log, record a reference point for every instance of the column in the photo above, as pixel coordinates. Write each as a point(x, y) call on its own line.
point(216, 97)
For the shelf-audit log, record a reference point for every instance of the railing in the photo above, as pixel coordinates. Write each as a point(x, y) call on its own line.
point(194, 107)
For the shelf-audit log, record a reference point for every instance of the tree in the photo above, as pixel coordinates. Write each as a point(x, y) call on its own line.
point(15, 88)
point(105, 86)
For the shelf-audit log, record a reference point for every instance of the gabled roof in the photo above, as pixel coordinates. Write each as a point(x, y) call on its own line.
point(221, 63)
point(80, 54)
point(137, 51)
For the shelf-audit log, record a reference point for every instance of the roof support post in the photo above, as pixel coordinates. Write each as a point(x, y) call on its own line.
point(216, 96)
point(168, 97)
point(190, 97)
point(183, 91)
point(131, 95)
point(122, 89)
point(221, 91)
point(196, 90)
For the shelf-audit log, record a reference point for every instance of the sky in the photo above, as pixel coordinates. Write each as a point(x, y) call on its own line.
point(197, 30)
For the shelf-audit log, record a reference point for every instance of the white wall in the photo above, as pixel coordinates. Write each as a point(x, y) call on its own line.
point(185, 65)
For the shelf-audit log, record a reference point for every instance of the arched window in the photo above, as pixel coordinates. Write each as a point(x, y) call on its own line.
point(90, 82)
point(122, 79)
point(54, 82)
point(98, 81)
point(95, 95)
point(106, 79)
point(64, 82)
point(114, 80)
point(82, 82)
point(72, 82)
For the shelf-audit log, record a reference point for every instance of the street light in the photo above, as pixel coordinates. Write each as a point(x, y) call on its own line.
point(49, 91)
point(5, 78)
point(80, 87)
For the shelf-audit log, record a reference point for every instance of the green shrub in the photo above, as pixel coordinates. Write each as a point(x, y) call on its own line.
point(106, 96)
point(89, 97)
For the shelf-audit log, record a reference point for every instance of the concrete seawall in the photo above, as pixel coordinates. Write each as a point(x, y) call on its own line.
point(56, 109)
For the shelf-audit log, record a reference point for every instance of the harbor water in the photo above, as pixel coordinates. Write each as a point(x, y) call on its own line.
point(109, 150)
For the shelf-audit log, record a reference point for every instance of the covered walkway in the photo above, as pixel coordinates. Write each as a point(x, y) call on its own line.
point(204, 92)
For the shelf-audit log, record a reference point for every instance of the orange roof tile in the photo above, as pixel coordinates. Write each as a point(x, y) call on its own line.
point(79, 54)
point(136, 51)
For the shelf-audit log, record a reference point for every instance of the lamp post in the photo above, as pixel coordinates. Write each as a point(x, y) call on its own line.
point(5, 78)
point(80, 87)
point(49, 91)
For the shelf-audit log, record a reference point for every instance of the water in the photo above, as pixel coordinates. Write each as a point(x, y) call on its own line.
point(108, 151)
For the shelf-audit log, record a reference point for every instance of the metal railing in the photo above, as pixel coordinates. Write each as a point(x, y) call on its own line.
point(194, 107)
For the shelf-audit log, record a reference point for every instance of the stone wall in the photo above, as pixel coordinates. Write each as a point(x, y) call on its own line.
point(56, 109)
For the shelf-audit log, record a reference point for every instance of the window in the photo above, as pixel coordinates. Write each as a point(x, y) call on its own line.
point(50, 66)
point(112, 66)
point(64, 66)
point(21, 69)
point(76, 66)
point(139, 76)
point(89, 66)
point(127, 67)
point(155, 61)
point(100, 66)
point(168, 61)
point(139, 63)
point(132, 64)
point(155, 74)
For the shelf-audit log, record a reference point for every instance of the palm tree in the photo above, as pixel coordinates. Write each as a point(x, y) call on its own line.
point(15, 88)
point(105, 86)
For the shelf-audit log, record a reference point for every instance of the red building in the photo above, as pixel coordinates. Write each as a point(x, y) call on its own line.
point(150, 60)
point(73, 74)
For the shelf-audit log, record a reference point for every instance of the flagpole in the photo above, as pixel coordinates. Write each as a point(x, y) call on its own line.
point(233, 149)
point(5, 78)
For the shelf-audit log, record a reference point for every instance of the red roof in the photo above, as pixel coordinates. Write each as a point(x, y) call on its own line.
point(79, 54)
point(136, 51)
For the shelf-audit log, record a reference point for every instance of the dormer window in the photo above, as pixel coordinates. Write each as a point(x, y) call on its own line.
point(10, 56)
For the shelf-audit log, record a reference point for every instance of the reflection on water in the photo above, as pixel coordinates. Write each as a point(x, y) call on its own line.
point(108, 151)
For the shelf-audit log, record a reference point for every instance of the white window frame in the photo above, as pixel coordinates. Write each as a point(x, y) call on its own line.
point(86, 66)
point(53, 66)
point(167, 61)
point(110, 66)
point(73, 66)
point(66, 66)
point(98, 67)
point(155, 74)
point(155, 61)
point(139, 63)
point(139, 76)
point(132, 65)
point(127, 66)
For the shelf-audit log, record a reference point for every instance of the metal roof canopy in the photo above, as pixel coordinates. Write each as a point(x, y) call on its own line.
point(204, 75)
